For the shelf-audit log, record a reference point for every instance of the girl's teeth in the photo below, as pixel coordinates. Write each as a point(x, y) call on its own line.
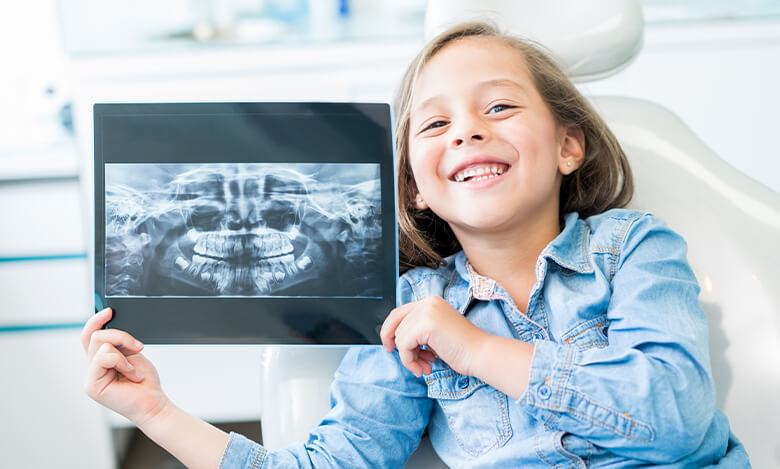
point(479, 173)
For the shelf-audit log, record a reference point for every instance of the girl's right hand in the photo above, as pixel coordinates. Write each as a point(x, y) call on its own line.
point(118, 375)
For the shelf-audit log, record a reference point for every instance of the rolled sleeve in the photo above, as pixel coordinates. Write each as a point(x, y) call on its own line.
point(553, 399)
point(241, 452)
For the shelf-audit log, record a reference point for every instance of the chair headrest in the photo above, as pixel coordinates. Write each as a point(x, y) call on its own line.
point(590, 40)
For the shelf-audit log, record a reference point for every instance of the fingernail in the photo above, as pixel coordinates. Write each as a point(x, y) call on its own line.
point(138, 375)
point(138, 344)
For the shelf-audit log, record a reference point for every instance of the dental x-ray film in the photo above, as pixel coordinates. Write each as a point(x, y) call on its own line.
point(245, 222)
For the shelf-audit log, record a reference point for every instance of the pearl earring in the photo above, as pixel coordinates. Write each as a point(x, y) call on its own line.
point(568, 163)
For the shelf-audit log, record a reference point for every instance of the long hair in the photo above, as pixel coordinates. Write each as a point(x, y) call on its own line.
point(603, 180)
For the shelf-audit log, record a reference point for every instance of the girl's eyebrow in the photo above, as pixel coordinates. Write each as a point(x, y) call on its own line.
point(499, 82)
point(425, 104)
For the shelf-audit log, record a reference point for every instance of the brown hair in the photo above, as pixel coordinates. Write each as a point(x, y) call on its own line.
point(603, 180)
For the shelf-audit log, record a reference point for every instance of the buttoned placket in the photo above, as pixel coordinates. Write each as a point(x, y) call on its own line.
point(484, 288)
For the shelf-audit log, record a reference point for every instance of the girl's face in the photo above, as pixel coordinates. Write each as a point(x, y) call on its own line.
point(484, 149)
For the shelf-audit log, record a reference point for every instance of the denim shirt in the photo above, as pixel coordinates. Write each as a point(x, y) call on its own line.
point(620, 375)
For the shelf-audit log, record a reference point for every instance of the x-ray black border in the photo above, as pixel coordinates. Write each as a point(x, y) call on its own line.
point(366, 136)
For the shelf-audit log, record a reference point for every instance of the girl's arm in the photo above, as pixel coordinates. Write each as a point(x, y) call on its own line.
point(378, 414)
point(648, 394)
point(379, 410)
point(192, 441)
point(445, 333)
point(372, 391)
point(121, 378)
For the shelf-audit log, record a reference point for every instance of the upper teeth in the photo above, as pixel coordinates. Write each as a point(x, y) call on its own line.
point(483, 172)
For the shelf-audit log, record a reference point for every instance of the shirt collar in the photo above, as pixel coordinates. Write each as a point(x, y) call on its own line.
point(569, 250)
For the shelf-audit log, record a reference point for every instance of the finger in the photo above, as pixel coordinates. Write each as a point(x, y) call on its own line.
point(425, 367)
point(409, 360)
point(117, 338)
point(409, 349)
point(96, 322)
point(109, 358)
point(388, 331)
point(416, 365)
point(427, 355)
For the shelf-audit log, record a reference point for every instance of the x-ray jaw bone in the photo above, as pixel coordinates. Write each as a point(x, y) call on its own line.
point(238, 230)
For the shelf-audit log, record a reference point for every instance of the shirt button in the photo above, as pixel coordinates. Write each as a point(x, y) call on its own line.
point(544, 392)
point(538, 336)
point(463, 382)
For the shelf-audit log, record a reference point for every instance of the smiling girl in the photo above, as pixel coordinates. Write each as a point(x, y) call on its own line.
point(540, 324)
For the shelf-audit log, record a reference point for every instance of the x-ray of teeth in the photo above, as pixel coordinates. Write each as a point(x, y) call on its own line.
point(262, 229)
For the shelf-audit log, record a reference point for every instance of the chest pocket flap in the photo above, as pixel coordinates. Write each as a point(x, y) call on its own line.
point(447, 384)
point(476, 413)
point(588, 334)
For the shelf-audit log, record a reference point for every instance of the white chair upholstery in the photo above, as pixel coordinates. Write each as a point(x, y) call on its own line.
point(731, 223)
point(732, 226)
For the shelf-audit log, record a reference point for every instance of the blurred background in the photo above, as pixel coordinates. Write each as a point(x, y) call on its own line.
point(716, 64)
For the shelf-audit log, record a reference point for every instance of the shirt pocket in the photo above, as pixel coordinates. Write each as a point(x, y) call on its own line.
point(476, 413)
point(588, 334)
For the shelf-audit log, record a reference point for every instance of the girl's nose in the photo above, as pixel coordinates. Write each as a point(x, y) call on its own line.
point(474, 138)
point(471, 132)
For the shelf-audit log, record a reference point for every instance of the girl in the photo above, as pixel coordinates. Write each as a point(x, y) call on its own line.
point(540, 324)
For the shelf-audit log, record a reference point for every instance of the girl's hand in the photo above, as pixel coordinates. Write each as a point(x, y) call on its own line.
point(445, 332)
point(118, 376)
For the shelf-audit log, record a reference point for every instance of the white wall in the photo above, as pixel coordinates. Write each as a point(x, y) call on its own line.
point(722, 80)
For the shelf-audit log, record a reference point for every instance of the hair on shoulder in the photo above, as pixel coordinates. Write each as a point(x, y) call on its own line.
point(603, 181)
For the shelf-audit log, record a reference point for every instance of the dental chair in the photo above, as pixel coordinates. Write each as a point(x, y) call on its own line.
point(731, 224)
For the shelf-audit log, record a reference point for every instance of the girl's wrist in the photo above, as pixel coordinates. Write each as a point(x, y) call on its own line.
point(163, 410)
point(194, 442)
point(481, 354)
point(503, 363)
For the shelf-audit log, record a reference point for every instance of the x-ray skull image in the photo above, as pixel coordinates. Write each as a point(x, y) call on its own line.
point(262, 229)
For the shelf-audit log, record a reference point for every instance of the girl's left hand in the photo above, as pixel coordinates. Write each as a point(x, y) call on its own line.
point(445, 332)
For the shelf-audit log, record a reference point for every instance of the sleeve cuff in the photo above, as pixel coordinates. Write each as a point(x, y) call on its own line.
point(551, 367)
point(552, 398)
point(241, 452)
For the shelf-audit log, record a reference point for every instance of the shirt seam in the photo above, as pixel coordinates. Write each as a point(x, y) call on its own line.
point(414, 290)
point(224, 452)
point(541, 454)
point(561, 449)
point(446, 291)
point(619, 243)
point(259, 459)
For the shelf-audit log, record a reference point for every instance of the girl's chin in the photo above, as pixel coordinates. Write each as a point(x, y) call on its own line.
point(481, 223)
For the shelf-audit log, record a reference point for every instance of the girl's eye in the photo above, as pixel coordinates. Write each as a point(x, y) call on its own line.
point(435, 125)
point(499, 108)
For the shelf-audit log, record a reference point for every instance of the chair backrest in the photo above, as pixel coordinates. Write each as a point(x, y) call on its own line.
point(732, 226)
point(589, 43)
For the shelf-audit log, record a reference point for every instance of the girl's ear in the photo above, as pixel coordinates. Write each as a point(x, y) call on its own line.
point(419, 202)
point(572, 150)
